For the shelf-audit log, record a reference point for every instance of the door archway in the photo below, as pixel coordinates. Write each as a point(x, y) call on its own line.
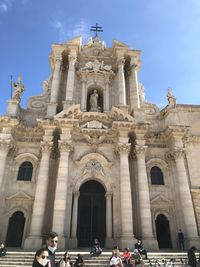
point(163, 232)
point(91, 214)
point(15, 230)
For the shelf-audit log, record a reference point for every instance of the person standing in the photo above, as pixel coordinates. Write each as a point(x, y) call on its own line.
point(51, 245)
point(2, 249)
point(41, 258)
point(181, 239)
point(192, 261)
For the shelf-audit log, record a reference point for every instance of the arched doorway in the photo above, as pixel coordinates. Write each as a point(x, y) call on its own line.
point(163, 232)
point(15, 230)
point(91, 214)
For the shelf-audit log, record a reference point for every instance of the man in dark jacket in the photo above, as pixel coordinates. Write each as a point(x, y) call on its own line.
point(192, 261)
point(140, 248)
point(51, 244)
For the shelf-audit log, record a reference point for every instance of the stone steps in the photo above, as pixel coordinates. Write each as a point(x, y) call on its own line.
point(155, 259)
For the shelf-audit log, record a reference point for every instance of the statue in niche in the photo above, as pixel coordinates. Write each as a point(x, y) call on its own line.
point(94, 102)
point(19, 89)
point(171, 98)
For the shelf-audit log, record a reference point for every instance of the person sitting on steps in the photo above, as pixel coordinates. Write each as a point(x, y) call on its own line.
point(140, 248)
point(96, 249)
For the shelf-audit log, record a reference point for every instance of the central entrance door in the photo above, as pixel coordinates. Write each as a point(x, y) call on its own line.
point(91, 214)
point(163, 232)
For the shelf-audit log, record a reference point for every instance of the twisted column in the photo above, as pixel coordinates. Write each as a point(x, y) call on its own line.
point(121, 82)
point(75, 215)
point(143, 191)
point(61, 189)
point(185, 194)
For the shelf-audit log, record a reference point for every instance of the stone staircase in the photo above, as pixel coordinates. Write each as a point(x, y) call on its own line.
point(155, 259)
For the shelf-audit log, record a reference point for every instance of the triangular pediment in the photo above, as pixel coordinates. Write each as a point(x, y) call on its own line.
point(160, 199)
point(19, 196)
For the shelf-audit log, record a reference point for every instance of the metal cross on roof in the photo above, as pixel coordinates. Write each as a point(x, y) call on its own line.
point(96, 29)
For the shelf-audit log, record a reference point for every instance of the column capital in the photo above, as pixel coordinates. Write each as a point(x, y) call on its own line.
point(120, 61)
point(46, 146)
point(5, 145)
point(65, 146)
point(108, 195)
point(123, 148)
point(177, 154)
point(140, 151)
point(76, 194)
point(72, 59)
point(58, 58)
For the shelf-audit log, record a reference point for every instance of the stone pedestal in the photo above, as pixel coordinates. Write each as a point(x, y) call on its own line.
point(51, 109)
point(13, 108)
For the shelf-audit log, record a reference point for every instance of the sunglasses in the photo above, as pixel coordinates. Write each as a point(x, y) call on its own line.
point(43, 257)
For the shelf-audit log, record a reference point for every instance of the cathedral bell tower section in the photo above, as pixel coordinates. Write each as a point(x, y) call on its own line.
point(93, 76)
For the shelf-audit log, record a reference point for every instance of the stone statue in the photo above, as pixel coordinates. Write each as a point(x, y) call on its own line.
point(97, 66)
point(45, 86)
point(142, 93)
point(19, 89)
point(94, 101)
point(171, 98)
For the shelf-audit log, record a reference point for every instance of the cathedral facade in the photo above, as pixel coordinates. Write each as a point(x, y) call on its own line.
point(92, 158)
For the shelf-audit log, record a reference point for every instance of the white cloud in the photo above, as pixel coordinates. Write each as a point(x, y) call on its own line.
point(80, 28)
point(5, 5)
point(66, 31)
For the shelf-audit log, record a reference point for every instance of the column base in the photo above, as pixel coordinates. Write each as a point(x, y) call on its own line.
point(150, 243)
point(67, 104)
point(72, 242)
point(192, 241)
point(124, 108)
point(33, 242)
point(109, 242)
point(127, 242)
point(61, 243)
point(51, 109)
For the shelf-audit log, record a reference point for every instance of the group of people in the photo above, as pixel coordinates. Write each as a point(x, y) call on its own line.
point(45, 257)
point(129, 259)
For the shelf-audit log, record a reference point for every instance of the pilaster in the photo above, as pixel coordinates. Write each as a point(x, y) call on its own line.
point(121, 81)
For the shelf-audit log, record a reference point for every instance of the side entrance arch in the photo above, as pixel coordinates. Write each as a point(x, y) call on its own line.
point(163, 232)
point(91, 214)
point(15, 230)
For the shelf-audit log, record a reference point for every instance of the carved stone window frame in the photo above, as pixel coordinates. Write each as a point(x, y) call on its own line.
point(21, 159)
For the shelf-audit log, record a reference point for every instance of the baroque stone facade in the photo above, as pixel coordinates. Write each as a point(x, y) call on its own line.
point(91, 157)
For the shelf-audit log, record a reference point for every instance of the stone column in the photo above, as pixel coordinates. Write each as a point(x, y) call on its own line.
point(144, 199)
point(75, 218)
point(121, 82)
point(109, 221)
point(70, 81)
point(4, 148)
point(83, 95)
point(133, 86)
point(185, 198)
point(59, 214)
point(51, 109)
point(35, 238)
point(106, 96)
point(125, 197)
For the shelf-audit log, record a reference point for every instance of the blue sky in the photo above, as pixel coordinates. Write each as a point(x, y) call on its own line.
point(167, 32)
